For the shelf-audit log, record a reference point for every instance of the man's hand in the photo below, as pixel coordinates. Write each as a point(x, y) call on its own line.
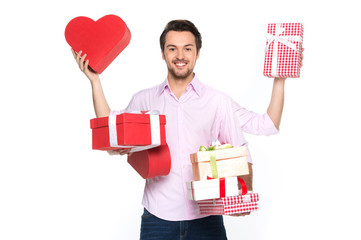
point(120, 151)
point(240, 214)
point(84, 66)
point(248, 179)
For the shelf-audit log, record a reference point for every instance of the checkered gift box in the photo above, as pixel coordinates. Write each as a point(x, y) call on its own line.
point(229, 205)
point(229, 209)
point(250, 197)
point(283, 50)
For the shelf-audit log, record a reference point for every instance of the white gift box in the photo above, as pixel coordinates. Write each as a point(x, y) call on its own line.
point(212, 188)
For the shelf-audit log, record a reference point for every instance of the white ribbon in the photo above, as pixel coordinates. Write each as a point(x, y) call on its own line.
point(286, 40)
point(154, 131)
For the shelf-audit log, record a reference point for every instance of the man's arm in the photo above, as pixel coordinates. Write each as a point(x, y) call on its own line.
point(248, 179)
point(101, 106)
point(275, 107)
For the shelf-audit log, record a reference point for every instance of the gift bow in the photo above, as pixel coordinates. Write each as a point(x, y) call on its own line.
point(212, 156)
point(285, 40)
point(154, 130)
point(222, 186)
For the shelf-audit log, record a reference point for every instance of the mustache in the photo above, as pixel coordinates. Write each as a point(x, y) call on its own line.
point(180, 60)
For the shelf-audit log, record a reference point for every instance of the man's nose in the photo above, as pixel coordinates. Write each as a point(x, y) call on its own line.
point(180, 54)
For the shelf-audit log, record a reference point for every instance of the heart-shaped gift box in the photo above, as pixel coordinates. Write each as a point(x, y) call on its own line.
point(102, 40)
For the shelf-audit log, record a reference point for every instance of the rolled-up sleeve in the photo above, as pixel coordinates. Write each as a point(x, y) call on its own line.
point(254, 123)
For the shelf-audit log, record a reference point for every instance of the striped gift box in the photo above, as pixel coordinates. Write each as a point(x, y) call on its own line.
point(283, 50)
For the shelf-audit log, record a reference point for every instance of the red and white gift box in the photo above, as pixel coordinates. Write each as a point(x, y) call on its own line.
point(229, 205)
point(249, 197)
point(213, 188)
point(283, 50)
point(143, 133)
point(128, 130)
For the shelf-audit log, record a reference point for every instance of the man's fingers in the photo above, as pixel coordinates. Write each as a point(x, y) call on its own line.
point(73, 52)
point(82, 62)
point(78, 56)
point(240, 214)
point(86, 64)
point(123, 152)
point(302, 56)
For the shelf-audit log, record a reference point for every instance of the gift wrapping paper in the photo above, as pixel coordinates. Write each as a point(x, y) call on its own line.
point(229, 209)
point(128, 130)
point(283, 50)
point(230, 162)
point(250, 197)
point(209, 189)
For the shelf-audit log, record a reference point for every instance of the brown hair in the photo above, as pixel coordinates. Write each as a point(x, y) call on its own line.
point(180, 26)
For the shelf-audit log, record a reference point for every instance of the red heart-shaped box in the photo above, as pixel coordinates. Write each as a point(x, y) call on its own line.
point(152, 162)
point(102, 40)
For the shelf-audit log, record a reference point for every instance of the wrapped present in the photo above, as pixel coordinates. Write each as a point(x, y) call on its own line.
point(128, 130)
point(220, 162)
point(152, 162)
point(229, 205)
point(283, 50)
point(214, 188)
point(228, 209)
point(250, 197)
point(102, 40)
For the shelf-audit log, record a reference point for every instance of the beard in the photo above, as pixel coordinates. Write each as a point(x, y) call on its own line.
point(180, 76)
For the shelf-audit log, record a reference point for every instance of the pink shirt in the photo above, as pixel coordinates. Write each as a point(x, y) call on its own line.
point(200, 115)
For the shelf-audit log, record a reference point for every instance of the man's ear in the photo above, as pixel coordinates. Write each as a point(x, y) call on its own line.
point(163, 56)
point(199, 52)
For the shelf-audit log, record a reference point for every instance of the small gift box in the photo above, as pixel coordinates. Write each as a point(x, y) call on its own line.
point(151, 162)
point(229, 205)
point(229, 209)
point(283, 50)
point(229, 162)
point(249, 197)
point(214, 188)
point(128, 130)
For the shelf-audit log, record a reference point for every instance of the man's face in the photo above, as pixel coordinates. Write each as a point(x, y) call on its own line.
point(180, 54)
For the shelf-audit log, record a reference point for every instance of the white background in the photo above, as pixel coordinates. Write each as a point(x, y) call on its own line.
point(53, 186)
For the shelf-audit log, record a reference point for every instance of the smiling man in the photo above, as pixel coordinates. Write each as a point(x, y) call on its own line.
point(196, 115)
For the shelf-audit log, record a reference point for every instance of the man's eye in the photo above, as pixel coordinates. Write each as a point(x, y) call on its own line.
point(171, 49)
point(188, 49)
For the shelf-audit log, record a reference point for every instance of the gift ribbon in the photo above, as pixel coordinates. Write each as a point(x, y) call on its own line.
point(154, 131)
point(222, 186)
point(286, 40)
point(212, 156)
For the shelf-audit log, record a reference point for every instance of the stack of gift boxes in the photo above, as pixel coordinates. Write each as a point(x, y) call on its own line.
point(215, 188)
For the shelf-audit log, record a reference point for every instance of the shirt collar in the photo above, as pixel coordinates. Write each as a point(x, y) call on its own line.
point(195, 84)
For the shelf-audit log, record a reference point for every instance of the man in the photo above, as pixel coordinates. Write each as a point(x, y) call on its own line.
point(196, 115)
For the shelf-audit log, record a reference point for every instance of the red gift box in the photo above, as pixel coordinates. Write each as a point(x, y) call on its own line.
point(127, 130)
point(152, 162)
point(229, 205)
point(102, 40)
point(283, 50)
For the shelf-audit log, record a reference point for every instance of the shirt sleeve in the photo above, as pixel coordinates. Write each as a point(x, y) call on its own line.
point(254, 123)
